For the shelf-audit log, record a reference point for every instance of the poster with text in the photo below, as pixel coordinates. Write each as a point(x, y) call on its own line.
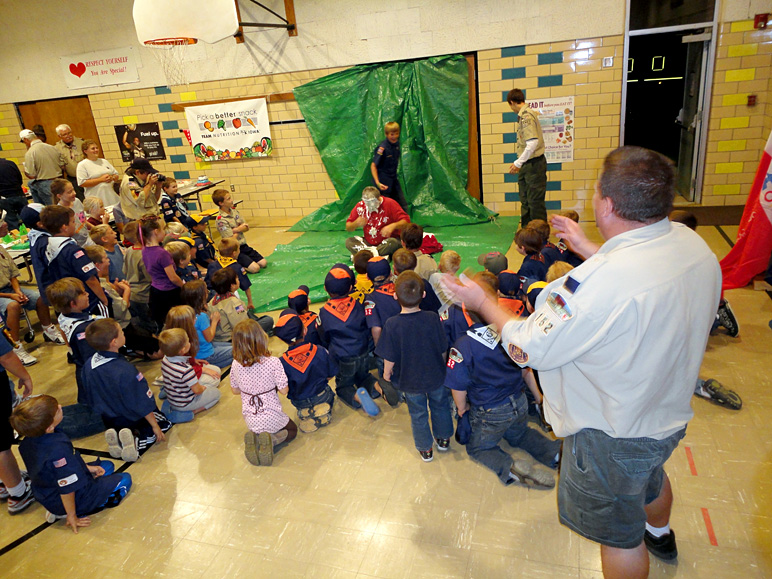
point(103, 68)
point(232, 130)
point(140, 140)
point(557, 124)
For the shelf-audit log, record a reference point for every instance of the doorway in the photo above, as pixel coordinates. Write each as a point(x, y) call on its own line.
point(75, 112)
point(666, 80)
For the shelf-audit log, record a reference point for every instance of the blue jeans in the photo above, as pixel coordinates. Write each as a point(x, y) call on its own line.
point(325, 396)
point(222, 356)
point(507, 421)
point(442, 421)
point(41, 191)
point(80, 420)
point(353, 373)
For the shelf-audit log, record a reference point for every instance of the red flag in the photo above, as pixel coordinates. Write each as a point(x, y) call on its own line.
point(750, 254)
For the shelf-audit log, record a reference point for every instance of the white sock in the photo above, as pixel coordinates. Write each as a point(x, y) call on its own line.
point(18, 490)
point(658, 531)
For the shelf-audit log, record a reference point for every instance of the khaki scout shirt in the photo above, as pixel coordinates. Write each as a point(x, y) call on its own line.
point(72, 153)
point(528, 127)
point(226, 223)
point(618, 342)
point(43, 161)
point(232, 311)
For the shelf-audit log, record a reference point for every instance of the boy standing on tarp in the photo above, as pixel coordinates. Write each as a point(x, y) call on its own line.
point(384, 165)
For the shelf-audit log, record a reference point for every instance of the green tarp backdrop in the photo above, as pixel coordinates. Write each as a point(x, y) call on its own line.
point(345, 113)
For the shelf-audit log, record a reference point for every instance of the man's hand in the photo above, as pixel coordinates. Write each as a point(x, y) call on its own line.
point(152, 180)
point(463, 290)
point(569, 231)
point(26, 385)
point(387, 230)
point(19, 298)
point(514, 169)
point(360, 222)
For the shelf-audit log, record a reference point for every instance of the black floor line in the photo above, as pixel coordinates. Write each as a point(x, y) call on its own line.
point(724, 235)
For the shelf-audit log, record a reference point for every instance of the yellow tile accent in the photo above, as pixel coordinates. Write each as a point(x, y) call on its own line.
point(726, 189)
point(2, 116)
point(729, 167)
point(188, 96)
point(735, 122)
point(3, 130)
point(206, 198)
point(130, 120)
point(737, 145)
point(730, 100)
point(743, 50)
point(125, 103)
point(740, 74)
point(742, 26)
point(200, 165)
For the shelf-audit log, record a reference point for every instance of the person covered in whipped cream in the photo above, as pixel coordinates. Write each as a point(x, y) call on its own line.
point(381, 220)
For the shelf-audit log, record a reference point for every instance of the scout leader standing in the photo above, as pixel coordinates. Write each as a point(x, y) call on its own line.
point(531, 164)
point(385, 163)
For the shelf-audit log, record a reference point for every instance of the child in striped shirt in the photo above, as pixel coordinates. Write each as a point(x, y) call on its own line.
point(185, 389)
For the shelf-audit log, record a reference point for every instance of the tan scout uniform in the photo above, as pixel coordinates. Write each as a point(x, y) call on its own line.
point(532, 178)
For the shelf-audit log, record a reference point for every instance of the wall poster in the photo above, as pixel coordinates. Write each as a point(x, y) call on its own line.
point(557, 124)
point(140, 140)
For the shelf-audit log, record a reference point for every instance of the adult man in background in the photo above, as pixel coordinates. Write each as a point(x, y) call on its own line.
point(71, 148)
point(618, 343)
point(42, 164)
point(12, 199)
point(531, 164)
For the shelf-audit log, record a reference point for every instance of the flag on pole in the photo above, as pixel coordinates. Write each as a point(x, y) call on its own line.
point(750, 254)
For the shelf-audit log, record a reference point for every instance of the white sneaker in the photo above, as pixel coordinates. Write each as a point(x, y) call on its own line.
point(26, 358)
point(52, 334)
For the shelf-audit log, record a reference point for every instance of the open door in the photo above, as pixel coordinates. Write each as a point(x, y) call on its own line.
point(75, 112)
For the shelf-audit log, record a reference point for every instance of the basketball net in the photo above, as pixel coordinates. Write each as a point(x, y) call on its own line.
point(170, 54)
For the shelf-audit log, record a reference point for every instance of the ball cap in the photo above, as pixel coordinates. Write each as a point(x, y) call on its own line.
point(378, 269)
point(509, 282)
point(495, 262)
point(142, 164)
point(199, 218)
point(30, 215)
point(27, 134)
point(339, 280)
point(298, 299)
point(289, 326)
point(534, 290)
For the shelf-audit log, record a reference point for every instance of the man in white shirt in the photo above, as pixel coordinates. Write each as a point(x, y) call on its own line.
point(618, 343)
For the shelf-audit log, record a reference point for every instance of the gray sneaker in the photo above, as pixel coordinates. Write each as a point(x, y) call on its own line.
point(523, 472)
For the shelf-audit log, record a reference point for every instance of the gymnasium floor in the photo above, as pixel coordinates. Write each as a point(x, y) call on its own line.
point(355, 500)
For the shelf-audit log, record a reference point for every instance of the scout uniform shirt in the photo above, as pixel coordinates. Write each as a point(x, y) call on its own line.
point(171, 208)
point(342, 328)
point(232, 311)
point(72, 154)
point(312, 334)
point(56, 469)
point(380, 305)
point(528, 127)
point(74, 327)
point(67, 259)
point(226, 222)
point(308, 367)
point(479, 365)
point(223, 262)
point(204, 248)
point(386, 160)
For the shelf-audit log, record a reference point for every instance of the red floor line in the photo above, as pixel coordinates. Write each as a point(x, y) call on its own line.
point(690, 458)
point(709, 527)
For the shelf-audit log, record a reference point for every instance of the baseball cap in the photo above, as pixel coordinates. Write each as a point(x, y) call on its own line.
point(339, 280)
point(199, 219)
point(298, 299)
point(27, 134)
point(142, 164)
point(288, 327)
point(495, 262)
point(509, 282)
point(187, 241)
point(30, 215)
point(378, 269)
point(534, 290)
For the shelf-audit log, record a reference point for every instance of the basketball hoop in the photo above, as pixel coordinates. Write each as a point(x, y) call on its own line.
point(170, 53)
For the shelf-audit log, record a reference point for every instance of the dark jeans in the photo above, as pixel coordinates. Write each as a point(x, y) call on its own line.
point(394, 192)
point(161, 302)
point(507, 421)
point(438, 402)
point(12, 207)
point(80, 421)
point(40, 190)
point(532, 184)
point(141, 316)
point(354, 373)
point(325, 396)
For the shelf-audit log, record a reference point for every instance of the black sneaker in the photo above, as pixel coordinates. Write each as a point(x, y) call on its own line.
point(443, 444)
point(18, 504)
point(426, 455)
point(727, 319)
point(389, 392)
point(663, 547)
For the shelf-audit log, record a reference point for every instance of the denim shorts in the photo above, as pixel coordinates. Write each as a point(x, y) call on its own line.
point(30, 305)
point(605, 483)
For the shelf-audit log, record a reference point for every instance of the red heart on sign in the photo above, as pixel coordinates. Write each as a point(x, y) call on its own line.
point(78, 69)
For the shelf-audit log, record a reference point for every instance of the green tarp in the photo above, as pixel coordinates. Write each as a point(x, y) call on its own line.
point(307, 259)
point(345, 114)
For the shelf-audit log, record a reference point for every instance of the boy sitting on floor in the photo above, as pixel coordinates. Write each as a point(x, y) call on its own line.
point(120, 393)
point(231, 224)
point(229, 254)
point(185, 391)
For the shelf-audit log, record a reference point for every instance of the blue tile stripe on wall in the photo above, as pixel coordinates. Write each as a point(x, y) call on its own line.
point(175, 142)
point(178, 158)
point(165, 108)
point(170, 125)
point(551, 58)
point(513, 73)
point(513, 51)
point(163, 90)
point(551, 80)
point(182, 174)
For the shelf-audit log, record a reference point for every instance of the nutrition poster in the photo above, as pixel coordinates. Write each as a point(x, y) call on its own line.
point(557, 124)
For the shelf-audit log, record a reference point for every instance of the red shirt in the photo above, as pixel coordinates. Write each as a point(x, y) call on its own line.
point(389, 212)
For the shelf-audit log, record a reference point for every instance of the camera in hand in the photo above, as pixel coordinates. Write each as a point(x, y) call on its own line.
point(161, 177)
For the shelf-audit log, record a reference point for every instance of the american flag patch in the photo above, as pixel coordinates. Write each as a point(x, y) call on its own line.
point(239, 308)
point(380, 150)
point(60, 463)
point(140, 377)
point(79, 254)
point(81, 336)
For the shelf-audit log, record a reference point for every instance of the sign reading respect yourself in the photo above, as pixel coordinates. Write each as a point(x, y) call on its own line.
point(106, 67)
point(232, 130)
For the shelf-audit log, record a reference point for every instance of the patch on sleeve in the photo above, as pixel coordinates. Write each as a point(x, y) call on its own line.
point(79, 254)
point(369, 305)
point(60, 463)
point(544, 322)
point(454, 357)
point(380, 150)
point(140, 377)
point(88, 267)
point(444, 315)
point(557, 303)
point(81, 336)
point(486, 335)
point(149, 393)
point(517, 354)
point(63, 482)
